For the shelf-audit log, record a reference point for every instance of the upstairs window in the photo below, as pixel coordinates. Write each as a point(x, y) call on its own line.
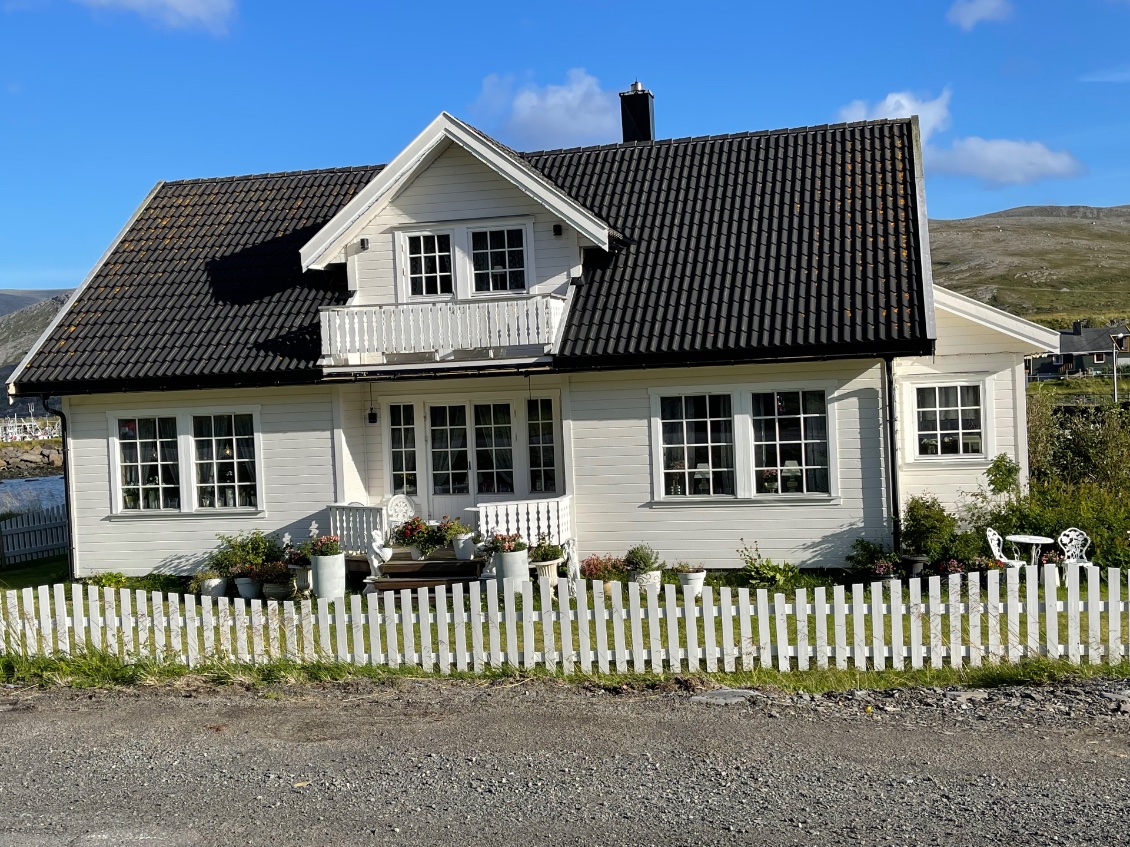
point(498, 259)
point(429, 265)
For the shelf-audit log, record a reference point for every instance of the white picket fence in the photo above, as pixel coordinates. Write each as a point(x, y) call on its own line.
point(589, 626)
point(34, 535)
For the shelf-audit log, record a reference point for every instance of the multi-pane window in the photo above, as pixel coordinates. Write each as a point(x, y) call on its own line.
point(543, 462)
point(450, 458)
point(224, 447)
point(147, 453)
point(949, 420)
point(790, 442)
point(498, 259)
point(429, 264)
point(402, 445)
point(698, 444)
point(494, 453)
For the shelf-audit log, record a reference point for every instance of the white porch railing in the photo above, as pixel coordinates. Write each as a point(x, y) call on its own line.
point(356, 331)
point(530, 519)
point(354, 525)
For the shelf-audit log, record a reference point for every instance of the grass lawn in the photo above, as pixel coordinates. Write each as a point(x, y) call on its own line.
point(30, 574)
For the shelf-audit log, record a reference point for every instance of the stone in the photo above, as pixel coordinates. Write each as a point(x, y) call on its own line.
point(968, 696)
point(723, 697)
point(31, 458)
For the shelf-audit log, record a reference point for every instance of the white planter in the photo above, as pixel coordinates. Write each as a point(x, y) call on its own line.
point(417, 555)
point(464, 547)
point(512, 566)
point(547, 571)
point(301, 578)
point(646, 577)
point(248, 588)
point(695, 580)
point(328, 575)
point(217, 587)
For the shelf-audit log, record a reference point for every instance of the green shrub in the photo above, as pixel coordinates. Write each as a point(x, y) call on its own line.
point(642, 558)
point(243, 551)
point(163, 582)
point(927, 527)
point(761, 572)
point(109, 579)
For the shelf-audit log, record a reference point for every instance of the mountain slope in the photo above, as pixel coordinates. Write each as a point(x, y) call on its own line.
point(1051, 264)
point(14, 299)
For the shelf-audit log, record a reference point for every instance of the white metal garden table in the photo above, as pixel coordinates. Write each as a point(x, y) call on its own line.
point(1037, 541)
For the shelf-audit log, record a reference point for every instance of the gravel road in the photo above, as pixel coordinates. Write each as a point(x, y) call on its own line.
point(433, 762)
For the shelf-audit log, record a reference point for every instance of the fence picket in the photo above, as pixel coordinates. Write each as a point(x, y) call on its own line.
point(584, 648)
point(549, 648)
point(273, 636)
point(427, 651)
point(993, 614)
point(1113, 615)
point(1012, 606)
point(954, 607)
point(306, 627)
point(94, 610)
point(443, 635)
point(144, 621)
point(110, 621)
point(654, 629)
point(407, 628)
point(898, 651)
point(1094, 616)
point(839, 621)
point(745, 630)
point(493, 630)
point(30, 622)
point(690, 620)
point(510, 623)
point(915, 614)
point(324, 651)
point(1073, 614)
point(1032, 608)
point(709, 635)
point(78, 620)
point(801, 615)
point(858, 628)
point(764, 645)
point(357, 630)
point(618, 640)
point(528, 616)
point(820, 608)
point(258, 654)
point(373, 617)
point(208, 625)
point(935, 618)
point(239, 614)
point(475, 603)
point(878, 633)
point(975, 620)
point(62, 621)
point(12, 626)
point(636, 619)
point(782, 633)
point(726, 609)
point(160, 623)
point(391, 643)
point(565, 616)
point(46, 623)
point(191, 639)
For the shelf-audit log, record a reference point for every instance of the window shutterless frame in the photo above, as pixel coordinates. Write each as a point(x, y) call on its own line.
point(185, 461)
point(909, 417)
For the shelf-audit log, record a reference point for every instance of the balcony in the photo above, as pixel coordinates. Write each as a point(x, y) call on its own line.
point(496, 328)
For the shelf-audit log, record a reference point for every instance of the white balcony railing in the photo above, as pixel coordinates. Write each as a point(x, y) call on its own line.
point(354, 525)
point(357, 334)
point(531, 519)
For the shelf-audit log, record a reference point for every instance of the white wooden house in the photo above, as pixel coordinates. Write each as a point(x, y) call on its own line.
point(686, 342)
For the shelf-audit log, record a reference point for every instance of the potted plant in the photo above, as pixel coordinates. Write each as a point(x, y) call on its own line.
point(278, 580)
point(208, 582)
point(769, 480)
point(643, 565)
point(510, 555)
point(327, 561)
point(692, 575)
point(246, 576)
point(604, 569)
point(547, 558)
point(459, 536)
point(298, 562)
point(927, 529)
point(418, 536)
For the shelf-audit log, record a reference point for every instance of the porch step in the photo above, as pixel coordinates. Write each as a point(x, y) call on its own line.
point(395, 583)
point(432, 569)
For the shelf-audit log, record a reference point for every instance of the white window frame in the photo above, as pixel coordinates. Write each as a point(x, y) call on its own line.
point(186, 462)
point(909, 421)
point(461, 264)
point(741, 405)
point(1099, 358)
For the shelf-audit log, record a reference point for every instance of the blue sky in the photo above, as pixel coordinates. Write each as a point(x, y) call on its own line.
point(1022, 101)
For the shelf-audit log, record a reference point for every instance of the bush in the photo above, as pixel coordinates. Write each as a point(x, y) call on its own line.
point(604, 568)
point(110, 579)
point(642, 558)
point(761, 572)
point(927, 528)
point(166, 583)
point(244, 552)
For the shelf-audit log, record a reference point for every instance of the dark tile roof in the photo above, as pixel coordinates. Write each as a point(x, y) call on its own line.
point(206, 288)
point(740, 247)
point(1090, 339)
point(752, 246)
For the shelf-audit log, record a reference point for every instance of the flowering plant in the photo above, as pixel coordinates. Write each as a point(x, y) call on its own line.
point(277, 573)
point(884, 567)
point(603, 568)
point(1052, 557)
point(327, 545)
point(950, 566)
point(769, 474)
point(415, 532)
point(984, 563)
point(503, 543)
point(450, 527)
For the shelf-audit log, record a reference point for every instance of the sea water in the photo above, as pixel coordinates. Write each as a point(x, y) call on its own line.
point(33, 493)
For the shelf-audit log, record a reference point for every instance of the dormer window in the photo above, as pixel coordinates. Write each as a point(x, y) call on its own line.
point(498, 258)
point(429, 264)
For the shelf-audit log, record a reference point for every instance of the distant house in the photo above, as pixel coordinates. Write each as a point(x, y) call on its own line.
point(684, 342)
point(1083, 351)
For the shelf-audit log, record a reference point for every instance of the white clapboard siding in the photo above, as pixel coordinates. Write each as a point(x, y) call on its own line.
point(34, 535)
point(591, 626)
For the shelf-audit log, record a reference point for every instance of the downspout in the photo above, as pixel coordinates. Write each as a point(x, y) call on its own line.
point(66, 488)
point(892, 456)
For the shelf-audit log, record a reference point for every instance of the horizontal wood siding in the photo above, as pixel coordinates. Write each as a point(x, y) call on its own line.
point(354, 409)
point(458, 187)
point(297, 444)
point(613, 506)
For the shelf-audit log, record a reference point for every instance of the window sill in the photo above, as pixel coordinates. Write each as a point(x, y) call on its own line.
point(951, 458)
point(187, 516)
point(771, 501)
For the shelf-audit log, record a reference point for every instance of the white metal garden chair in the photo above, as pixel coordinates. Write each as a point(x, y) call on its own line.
point(996, 544)
point(1074, 543)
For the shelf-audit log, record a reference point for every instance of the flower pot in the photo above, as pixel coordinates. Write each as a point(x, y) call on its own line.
point(694, 580)
point(547, 571)
point(301, 576)
point(217, 587)
point(512, 566)
point(248, 588)
point(278, 590)
point(416, 553)
point(464, 547)
point(646, 577)
point(914, 564)
point(328, 575)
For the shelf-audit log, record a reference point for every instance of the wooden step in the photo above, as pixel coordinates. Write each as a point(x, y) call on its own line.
point(432, 569)
point(395, 583)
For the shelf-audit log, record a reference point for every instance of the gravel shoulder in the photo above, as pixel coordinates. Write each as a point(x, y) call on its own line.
point(426, 762)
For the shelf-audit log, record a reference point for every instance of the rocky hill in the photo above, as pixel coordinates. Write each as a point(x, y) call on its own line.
point(1051, 264)
point(18, 332)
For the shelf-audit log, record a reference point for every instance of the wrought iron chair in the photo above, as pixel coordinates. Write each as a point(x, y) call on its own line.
point(1074, 543)
point(996, 544)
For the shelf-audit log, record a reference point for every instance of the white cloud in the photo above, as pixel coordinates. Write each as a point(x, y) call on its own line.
point(968, 13)
point(1109, 75)
point(533, 117)
point(1001, 161)
point(212, 15)
point(994, 161)
point(933, 115)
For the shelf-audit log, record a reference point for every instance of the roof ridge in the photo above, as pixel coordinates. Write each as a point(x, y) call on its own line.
point(690, 139)
point(274, 174)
